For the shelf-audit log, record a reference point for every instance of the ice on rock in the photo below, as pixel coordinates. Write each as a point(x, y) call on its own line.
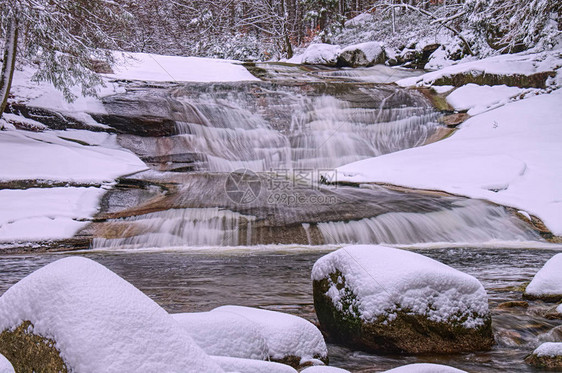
point(321, 54)
point(382, 277)
point(425, 368)
point(5, 365)
point(547, 283)
point(287, 336)
point(225, 334)
point(238, 365)
point(100, 322)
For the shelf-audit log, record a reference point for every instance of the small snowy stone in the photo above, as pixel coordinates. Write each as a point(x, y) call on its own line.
point(225, 334)
point(364, 54)
point(5, 365)
point(324, 369)
point(321, 54)
point(288, 337)
point(237, 365)
point(100, 322)
point(425, 368)
point(547, 283)
point(547, 355)
point(384, 289)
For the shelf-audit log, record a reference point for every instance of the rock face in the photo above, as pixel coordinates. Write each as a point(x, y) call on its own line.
point(547, 283)
point(321, 54)
point(388, 300)
point(548, 355)
point(76, 315)
point(364, 54)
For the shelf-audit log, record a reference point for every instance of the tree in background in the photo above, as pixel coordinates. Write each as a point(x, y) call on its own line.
point(65, 40)
point(515, 25)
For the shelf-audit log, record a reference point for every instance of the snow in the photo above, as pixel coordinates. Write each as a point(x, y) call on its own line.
point(29, 124)
point(324, 369)
point(425, 368)
point(46, 213)
point(548, 280)
point(5, 365)
point(477, 99)
point(509, 155)
point(225, 334)
point(321, 54)
point(154, 67)
point(27, 155)
point(286, 335)
point(372, 50)
point(551, 349)
point(383, 278)
point(100, 322)
point(559, 308)
point(232, 364)
point(442, 88)
point(524, 63)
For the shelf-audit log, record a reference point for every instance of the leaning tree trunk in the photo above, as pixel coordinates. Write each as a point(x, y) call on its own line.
point(9, 62)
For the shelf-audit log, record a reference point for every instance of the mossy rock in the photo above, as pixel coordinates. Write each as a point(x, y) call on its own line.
point(407, 333)
point(537, 80)
point(29, 352)
point(548, 362)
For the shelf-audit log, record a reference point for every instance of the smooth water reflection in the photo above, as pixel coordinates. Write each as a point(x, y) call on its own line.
point(191, 282)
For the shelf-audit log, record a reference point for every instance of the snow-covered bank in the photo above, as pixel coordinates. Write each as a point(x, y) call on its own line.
point(509, 155)
point(154, 67)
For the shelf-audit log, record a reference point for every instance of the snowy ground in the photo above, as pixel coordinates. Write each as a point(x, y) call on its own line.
point(509, 153)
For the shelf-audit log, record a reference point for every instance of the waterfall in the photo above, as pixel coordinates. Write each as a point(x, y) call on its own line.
point(471, 221)
point(180, 227)
point(321, 132)
point(281, 132)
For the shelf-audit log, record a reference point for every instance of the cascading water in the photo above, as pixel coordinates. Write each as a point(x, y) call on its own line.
point(285, 129)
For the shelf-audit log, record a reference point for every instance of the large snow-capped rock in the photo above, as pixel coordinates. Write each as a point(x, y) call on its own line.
point(321, 54)
point(425, 368)
point(547, 355)
point(547, 283)
point(391, 300)
point(88, 319)
point(225, 334)
point(364, 54)
point(5, 365)
point(290, 339)
point(235, 364)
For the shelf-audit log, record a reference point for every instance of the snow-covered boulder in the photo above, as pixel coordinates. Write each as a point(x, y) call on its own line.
point(321, 54)
point(76, 315)
point(425, 368)
point(290, 339)
point(390, 300)
point(324, 369)
point(238, 365)
point(547, 283)
point(364, 54)
point(547, 355)
point(5, 365)
point(225, 334)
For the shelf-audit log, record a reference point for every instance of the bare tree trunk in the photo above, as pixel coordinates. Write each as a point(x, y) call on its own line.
point(9, 62)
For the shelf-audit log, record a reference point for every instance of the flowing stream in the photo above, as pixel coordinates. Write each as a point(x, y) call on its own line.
point(279, 279)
